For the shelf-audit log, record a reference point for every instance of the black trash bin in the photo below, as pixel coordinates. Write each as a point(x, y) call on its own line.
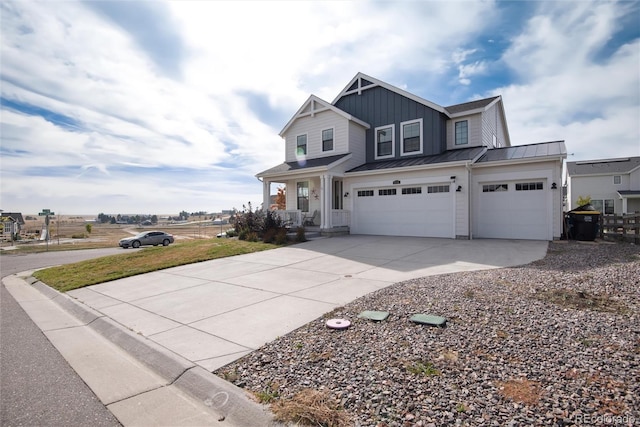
point(583, 223)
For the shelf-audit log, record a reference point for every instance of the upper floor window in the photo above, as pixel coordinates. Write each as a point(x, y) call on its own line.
point(384, 141)
point(616, 179)
point(301, 145)
point(411, 137)
point(327, 140)
point(462, 132)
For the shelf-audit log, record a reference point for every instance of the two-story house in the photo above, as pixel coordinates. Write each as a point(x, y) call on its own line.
point(380, 160)
point(612, 184)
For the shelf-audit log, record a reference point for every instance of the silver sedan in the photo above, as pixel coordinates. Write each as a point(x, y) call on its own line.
point(154, 238)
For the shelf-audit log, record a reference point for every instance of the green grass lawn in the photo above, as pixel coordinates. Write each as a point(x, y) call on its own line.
point(73, 276)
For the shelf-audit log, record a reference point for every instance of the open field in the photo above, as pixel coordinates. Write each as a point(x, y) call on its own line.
point(70, 232)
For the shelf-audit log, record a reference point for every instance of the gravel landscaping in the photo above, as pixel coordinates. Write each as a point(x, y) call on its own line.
point(555, 342)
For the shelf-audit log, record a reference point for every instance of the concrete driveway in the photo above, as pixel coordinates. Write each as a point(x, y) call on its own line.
point(215, 312)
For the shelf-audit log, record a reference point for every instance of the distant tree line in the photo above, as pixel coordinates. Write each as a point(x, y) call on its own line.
point(126, 219)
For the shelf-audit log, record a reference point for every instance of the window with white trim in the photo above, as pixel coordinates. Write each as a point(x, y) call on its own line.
point(616, 179)
point(327, 140)
point(412, 190)
point(384, 141)
point(491, 188)
point(301, 145)
point(438, 189)
point(387, 192)
point(365, 193)
point(462, 132)
point(411, 137)
point(528, 186)
point(605, 206)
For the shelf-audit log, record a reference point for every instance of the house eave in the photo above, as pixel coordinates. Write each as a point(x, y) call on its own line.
point(558, 158)
point(389, 87)
point(306, 171)
point(327, 107)
point(409, 168)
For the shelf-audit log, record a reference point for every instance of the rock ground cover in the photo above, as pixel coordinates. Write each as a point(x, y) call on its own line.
point(555, 342)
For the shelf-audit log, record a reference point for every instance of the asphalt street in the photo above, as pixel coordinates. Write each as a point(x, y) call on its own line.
point(37, 385)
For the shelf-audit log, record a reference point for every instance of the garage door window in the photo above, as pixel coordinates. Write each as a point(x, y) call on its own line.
point(412, 190)
point(438, 189)
point(491, 188)
point(365, 193)
point(528, 186)
point(387, 192)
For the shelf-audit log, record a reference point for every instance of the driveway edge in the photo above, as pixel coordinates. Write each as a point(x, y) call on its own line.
point(231, 402)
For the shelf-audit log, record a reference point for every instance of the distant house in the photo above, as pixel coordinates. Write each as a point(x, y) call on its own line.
point(12, 223)
point(612, 184)
point(380, 160)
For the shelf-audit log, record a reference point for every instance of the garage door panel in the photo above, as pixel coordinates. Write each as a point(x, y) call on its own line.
point(425, 214)
point(512, 214)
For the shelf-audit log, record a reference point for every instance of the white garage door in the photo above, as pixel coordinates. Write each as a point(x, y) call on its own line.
point(513, 210)
point(423, 211)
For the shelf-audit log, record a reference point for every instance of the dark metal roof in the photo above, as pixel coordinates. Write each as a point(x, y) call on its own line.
point(530, 151)
point(629, 192)
point(17, 216)
point(605, 166)
point(468, 106)
point(310, 163)
point(447, 156)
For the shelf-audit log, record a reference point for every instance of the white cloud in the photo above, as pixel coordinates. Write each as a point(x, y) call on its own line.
point(563, 92)
point(196, 142)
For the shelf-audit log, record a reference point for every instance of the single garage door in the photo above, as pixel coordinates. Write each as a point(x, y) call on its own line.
point(513, 210)
point(421, 210)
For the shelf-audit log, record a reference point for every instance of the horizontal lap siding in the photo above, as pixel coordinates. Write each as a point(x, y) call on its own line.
point(313, 127)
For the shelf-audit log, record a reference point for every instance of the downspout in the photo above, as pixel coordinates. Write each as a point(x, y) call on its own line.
point(469, 199)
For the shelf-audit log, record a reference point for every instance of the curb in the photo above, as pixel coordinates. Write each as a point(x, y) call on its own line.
point(227, 400)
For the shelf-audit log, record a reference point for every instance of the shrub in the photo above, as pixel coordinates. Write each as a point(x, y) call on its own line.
point(300, 236)
point(281, 237)
point(257, 224)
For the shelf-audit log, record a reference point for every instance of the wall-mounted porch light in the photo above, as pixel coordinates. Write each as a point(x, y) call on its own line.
point(459, 189)
point(554, 186)
point(346, 194)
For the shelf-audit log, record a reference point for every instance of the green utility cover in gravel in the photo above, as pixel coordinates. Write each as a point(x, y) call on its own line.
point(428, 319)
point(374, 315)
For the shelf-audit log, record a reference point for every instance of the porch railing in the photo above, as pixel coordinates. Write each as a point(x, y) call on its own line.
point(292, 218)
point(340, 218)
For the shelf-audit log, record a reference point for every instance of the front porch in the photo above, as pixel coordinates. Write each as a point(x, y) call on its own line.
point(339, 221)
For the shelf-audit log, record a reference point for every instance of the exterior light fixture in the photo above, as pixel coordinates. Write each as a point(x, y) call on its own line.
point(346, 194)
point(397, 181)
point(459, 189)
point(554, 186)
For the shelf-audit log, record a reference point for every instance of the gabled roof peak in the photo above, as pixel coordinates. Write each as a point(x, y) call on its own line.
point(363, 81)
point(314, 105)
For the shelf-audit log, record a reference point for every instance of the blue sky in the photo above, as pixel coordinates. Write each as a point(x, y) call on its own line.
point(159, 107)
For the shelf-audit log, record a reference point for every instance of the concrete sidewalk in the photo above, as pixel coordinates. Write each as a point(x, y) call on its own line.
point(188, 321)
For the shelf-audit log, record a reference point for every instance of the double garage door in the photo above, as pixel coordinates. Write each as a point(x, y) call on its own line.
point(420, 210)
point(513, 210)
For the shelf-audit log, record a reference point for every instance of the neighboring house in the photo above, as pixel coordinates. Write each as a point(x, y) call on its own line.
point(612, 184)
point(380, 160)
point(12, 223)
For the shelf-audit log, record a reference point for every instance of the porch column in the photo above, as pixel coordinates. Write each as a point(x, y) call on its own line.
point(624, 205)
point(325, 201)
point(266, 196)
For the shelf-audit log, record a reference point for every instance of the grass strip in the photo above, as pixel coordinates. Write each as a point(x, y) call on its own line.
point(85, 273)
